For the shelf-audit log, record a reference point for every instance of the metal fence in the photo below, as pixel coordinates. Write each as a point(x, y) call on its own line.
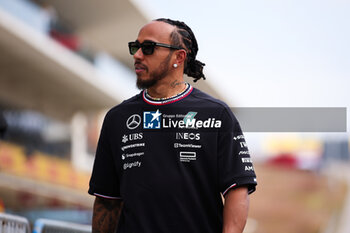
point(54, 226)
point(13, 224)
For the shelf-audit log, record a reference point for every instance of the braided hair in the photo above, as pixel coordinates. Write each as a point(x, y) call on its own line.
point(183, 36)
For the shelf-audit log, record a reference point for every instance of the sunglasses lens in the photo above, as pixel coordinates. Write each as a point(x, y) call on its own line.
point(147, 48)
point(133, 47)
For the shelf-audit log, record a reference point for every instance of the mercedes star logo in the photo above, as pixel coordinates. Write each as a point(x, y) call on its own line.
point(133, 121)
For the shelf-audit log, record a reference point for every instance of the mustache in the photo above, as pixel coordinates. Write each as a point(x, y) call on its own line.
point(140, 65)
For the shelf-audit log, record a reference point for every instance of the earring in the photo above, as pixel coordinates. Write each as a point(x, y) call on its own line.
point(175, 65)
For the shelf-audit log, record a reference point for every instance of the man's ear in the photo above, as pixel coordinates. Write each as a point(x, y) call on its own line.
point(180, 56)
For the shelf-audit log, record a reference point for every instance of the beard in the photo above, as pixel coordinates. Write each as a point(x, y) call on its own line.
point(156, 75)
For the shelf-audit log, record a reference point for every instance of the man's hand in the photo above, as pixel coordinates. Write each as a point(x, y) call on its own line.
point(106, 215)
point(235, 210)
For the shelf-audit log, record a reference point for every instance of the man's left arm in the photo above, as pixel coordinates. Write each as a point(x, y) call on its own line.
point(235, 210)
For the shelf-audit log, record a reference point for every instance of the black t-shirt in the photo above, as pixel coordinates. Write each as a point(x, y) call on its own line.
point(3, 125)
point(170, 161)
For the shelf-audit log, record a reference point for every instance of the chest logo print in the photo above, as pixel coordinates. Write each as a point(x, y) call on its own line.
point(125, 139)
point(188, 156)
point(189, 117)
point(151, 120)
point(133, 121)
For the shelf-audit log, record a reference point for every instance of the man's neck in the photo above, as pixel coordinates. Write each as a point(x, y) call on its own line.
point(167, 89)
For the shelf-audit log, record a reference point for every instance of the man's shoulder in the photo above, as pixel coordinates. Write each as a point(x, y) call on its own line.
point(207, 100)
point(211, 104)
point(123, 106)
point(132, 100)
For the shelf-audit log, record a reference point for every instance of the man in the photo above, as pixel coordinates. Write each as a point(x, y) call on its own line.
point(166, 155)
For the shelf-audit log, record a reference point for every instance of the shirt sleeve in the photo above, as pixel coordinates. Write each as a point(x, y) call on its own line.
point(104, 181)
point(235, 165)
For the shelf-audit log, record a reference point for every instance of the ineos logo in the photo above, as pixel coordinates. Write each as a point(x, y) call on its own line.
point(133, 121)
point(188, 136)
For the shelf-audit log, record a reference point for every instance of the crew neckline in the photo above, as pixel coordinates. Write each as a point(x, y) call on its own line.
point(148, 99)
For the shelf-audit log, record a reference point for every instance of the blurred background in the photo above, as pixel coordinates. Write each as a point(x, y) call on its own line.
point(63, 64)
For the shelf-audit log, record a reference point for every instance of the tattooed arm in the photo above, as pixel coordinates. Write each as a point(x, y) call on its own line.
point(106, 214)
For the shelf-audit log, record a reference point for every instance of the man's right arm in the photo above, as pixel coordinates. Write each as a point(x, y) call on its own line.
point(106, 214)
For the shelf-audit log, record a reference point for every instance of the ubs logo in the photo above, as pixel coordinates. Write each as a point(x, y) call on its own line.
point(132, 137)
point(133, 121)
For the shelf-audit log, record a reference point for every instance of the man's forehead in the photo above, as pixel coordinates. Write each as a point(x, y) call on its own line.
point(156, 31)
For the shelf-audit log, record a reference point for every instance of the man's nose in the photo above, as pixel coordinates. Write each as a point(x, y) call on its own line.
point(138, 54)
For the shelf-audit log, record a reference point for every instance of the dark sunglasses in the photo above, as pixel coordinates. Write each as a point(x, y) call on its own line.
point(147, 47)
